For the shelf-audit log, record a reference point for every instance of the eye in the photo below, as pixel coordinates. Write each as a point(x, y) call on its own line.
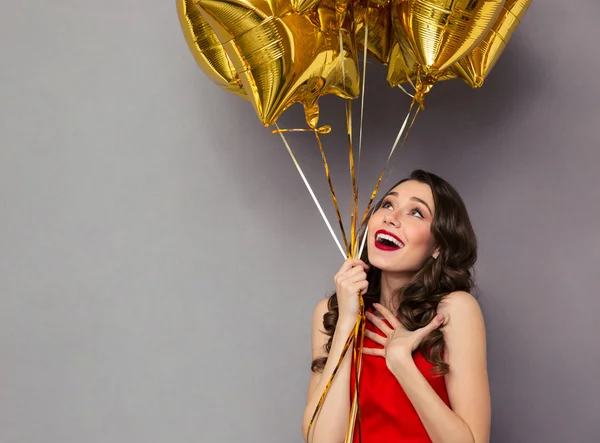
point(387, 205)
point(416, 212)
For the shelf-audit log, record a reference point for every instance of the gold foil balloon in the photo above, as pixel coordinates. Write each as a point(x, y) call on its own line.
point(402, 63)
point(440, 32)
point(381, 2)
point(475, 67)
point(207, 49)
point(379, 28)
point(282, 57)
point(301, 6)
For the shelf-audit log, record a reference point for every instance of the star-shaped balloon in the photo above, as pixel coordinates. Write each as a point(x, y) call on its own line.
point(475, 67)
point(283, 57)
point(375, 18)
point(206, 48)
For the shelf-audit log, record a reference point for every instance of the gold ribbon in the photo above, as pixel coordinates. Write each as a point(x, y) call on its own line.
point(309, 188)
point(421, 86)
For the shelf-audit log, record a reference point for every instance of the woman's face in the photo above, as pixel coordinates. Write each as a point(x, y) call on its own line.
point(399, 238)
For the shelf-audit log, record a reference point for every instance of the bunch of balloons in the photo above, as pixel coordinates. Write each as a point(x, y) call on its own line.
point(275, 53)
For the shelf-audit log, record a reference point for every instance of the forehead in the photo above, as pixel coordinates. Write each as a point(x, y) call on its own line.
point(413, 188)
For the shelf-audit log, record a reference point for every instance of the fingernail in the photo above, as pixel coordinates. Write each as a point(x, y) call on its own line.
point(440, 318)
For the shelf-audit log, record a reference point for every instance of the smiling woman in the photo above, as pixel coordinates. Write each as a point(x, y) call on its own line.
point(419, 382)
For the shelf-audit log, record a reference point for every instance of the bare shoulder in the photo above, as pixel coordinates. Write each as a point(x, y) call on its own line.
point(462, 306)
point(320, 310)
point(459, 302)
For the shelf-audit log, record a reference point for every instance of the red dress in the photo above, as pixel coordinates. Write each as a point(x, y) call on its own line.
point(386, 413)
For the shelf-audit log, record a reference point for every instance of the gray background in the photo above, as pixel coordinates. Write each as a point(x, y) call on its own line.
point(161, 258)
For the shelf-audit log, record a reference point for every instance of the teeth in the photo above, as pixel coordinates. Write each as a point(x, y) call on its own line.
point(390, 239)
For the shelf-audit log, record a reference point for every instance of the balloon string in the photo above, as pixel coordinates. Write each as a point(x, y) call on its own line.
point(406, 92)
point(362, 98)
point(342, 55)
point(322, 130)
point(359, 333)
point(332, 192)
point(364, 240)
point(417, 99)
point(376, 188)
point(354, 201)
point(312, 194)
point(327, 386)
point(359, 330)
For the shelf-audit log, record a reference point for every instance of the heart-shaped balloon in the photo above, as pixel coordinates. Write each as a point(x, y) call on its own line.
point(475, 67)
point(283, 57)
point(206, 48)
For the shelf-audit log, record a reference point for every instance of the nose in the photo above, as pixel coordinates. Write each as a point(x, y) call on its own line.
point(391, 219)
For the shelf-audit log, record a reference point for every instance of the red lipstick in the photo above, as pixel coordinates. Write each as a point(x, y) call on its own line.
point(387, 247)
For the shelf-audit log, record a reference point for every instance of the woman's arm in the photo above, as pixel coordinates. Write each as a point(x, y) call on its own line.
point(467, 381)
point(332, 422)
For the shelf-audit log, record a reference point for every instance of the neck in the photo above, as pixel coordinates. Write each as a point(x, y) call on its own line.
point(390, 282)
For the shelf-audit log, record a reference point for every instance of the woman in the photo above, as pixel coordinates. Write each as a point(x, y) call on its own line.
point(424, 375)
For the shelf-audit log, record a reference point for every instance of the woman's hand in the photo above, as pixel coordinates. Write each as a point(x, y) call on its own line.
point(398, 343)
point(350, 280)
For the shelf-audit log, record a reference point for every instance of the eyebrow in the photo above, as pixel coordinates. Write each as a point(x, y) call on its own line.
point(417, 199)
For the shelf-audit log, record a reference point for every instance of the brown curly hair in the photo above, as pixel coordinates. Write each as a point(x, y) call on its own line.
point(451, 271)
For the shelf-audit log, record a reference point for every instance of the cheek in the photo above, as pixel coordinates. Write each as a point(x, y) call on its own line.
point(373, 221)
point(423, 237)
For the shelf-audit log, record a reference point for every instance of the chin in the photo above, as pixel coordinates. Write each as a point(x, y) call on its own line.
point(378, 260)
point(385, 266)
point(387, 262)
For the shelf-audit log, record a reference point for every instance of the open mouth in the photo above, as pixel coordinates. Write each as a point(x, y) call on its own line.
point(387, 241)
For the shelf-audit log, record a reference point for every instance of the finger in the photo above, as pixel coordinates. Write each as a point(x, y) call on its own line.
point(347, 266)
point(354, 275)
point(345, 273)
point(343, 270)
point(363, 286)
point(350, 285)
point(376, 337)
point(387, 314)
point(432, 326)
point(351, 263)
point(359, 276)
point(379, 323)
point(363, 264)
point(374, 351)
point(357, 270)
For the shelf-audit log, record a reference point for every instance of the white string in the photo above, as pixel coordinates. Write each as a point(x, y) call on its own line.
point(362, 99)
point(362, 244)
point(312, 194)
point(406, 92)
point(399, 136)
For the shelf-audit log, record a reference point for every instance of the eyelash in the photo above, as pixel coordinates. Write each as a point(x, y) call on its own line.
point(415, 209)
